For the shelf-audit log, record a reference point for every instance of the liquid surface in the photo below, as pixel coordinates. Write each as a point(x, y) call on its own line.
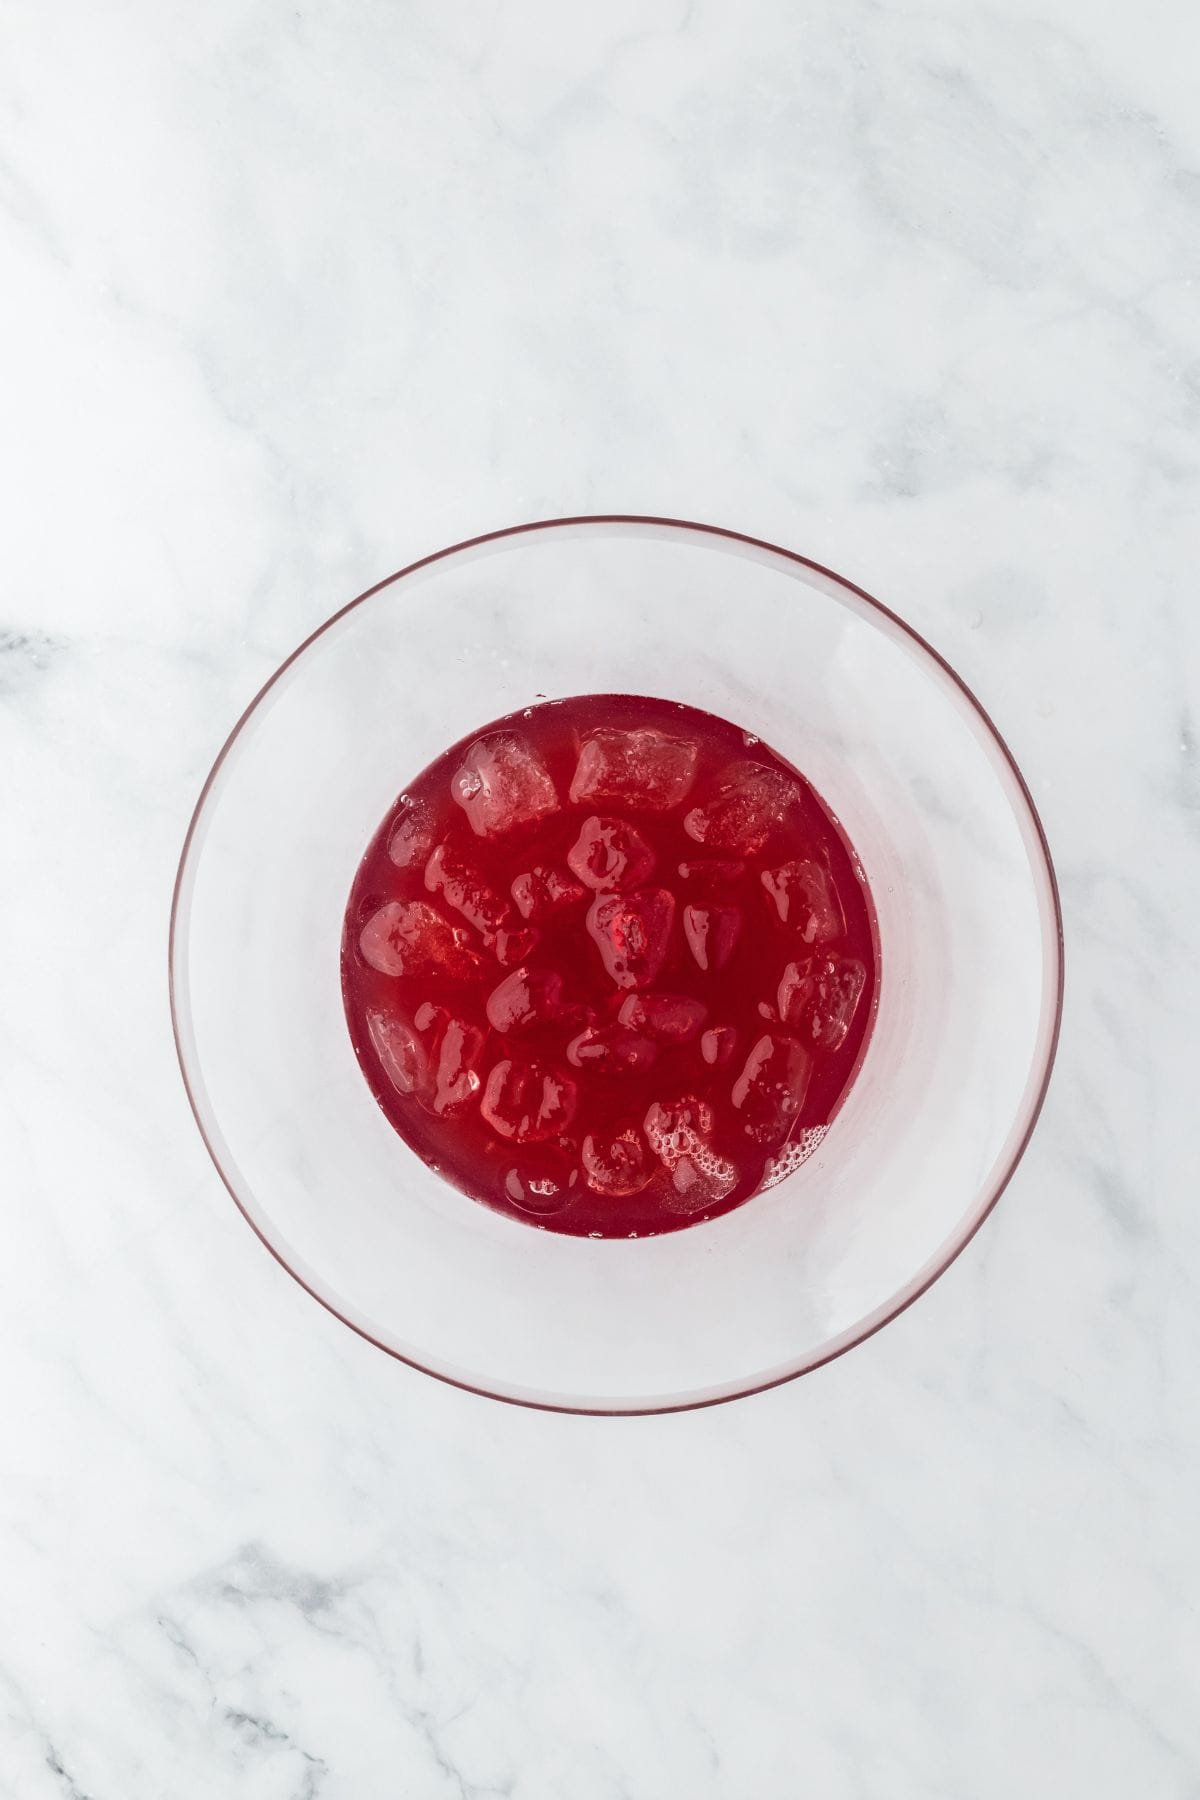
point(608, 966)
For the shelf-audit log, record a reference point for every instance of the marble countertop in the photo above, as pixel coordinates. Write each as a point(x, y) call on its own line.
point(294, 294)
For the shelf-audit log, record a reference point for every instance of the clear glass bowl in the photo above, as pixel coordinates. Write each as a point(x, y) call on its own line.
point(970, 938)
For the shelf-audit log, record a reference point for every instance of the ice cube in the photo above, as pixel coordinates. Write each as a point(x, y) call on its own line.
point(456, 1081)
point(544, 1190)
point(669, 1018)
point(678, 1133)
point(615, 1162)
point(645, 769)
point(525, 998)
point(609, 854)
point(819, 997)
point(797, 985)
point(632, 933)
point(748, 804)
point(527, 1102)
point(412, 833)
point(514, 946)
point(712, 933)
point(769, 1092)
point(410, 937)
point(464, 888)
point(698, 1181)
point(803, 895)
point(401, 1053)
point(501, 783)
point(611, 1050)
point(718, 1045)
point(712, 872)
point(544, 890)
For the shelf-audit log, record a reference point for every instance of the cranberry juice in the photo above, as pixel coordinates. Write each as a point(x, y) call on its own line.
point(609, 965)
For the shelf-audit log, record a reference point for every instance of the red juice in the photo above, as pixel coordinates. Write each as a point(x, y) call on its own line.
point(609, 965)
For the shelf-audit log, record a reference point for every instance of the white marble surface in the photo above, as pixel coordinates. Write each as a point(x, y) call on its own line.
point(293, 294)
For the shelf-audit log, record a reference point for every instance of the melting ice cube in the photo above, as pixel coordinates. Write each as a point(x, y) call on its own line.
point(670, 1018)
point(609, 853)
point(541, 891)
point(819, 996)
point(615, 1162)
point(611, 1050)
point(645, 769)
point(527, 1102)
point(502, 782)
point(401, 1053)
point(769, 1092)
point(632, 933)
point(464, 888)
point(712, 933)
point(803, 895)
point(749, 802)
point(410, 937)
point(525, 998)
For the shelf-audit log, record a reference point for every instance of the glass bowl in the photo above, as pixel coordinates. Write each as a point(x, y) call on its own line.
point(970, 964)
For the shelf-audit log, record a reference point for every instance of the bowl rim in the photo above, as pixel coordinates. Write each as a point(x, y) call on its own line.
point(907, 1295)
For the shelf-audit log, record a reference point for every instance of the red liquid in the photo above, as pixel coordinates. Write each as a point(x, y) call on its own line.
point(609, 965)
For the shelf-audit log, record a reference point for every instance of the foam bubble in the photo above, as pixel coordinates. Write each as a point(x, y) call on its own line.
point(791, 1156)
point(677, 1134)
